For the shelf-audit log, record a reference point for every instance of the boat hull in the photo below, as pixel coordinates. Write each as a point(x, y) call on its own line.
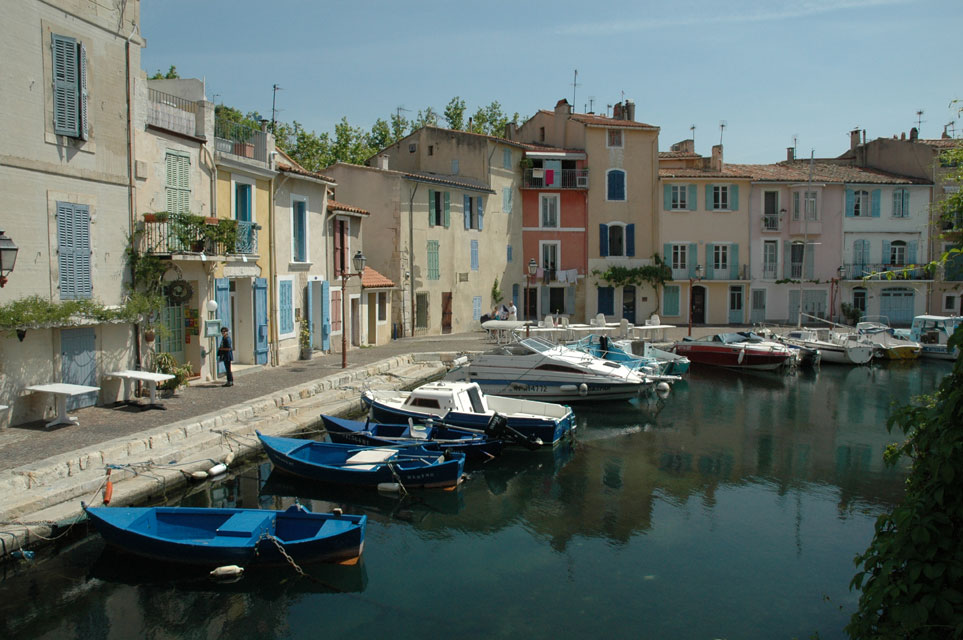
point(214, 537)
point(413, 466)
point(437, 437)
point(723, 356)
point(555, 390)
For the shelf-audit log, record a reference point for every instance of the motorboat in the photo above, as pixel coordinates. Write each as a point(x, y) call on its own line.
point(620, 351)
point(805, 356)
point(888, 345)
point(535, 369)
point(933, 334)
point(465, 405)
point(676, 364)
point(832, 347)
point(737, 351)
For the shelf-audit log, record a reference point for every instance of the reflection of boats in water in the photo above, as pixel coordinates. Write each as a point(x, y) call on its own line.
point(515, 464)
point(413, 506)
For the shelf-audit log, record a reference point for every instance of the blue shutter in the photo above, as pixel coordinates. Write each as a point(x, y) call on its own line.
point(325, 315)
point(506, 158)
point(787, 259)
point(507, 199)
point(667, 197)
point(447, 200)
point(222, 296)
point(474, 255)
point(480, 206)
point(515, 294)
point(692, 201)
point(810, 260)
point(710, 261)
point(65, 90)
point(603, 240)
point(670, 300)
point(73, 244)
point(886, 248)
point(734, 261)
point(476, 308)
point(630, 240)
point(709, 202)
point(260, 321)
point(850, 203)
point(911, 252)
point(431, 208)
point(545, 293)
point(616, 185)
point(734, 197)
point(692, 258)
point(466, 207)
point(286, 305)
point(82, 106)
point(570, 300)
point(906, 203)
point(509, 257)
point(953, 270)
point(606, 300)
point(308, 315)
point(875, 197)
point(667, 254)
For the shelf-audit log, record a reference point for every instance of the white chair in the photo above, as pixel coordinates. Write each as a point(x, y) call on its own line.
point(654, 319)
point(624, 328)
point(600, 320)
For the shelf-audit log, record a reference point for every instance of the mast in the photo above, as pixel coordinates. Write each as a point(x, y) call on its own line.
point(805, 212)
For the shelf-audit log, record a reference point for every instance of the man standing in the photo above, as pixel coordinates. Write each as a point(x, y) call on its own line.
point(512, 311)
point(225, 353)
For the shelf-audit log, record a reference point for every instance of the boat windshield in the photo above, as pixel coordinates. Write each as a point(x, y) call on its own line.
point(537, 345)
point(730, 338)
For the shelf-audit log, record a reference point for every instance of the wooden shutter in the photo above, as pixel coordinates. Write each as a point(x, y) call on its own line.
point(616, 184)
point(73, 243)
point(447, 200)
point(691, 201)
point(480, 207)
point(630, 240)
point(178, 186)
point(603, 240)
point(875, 197)
point(65, 91)
point(431, 208)
point(82, 64)
point(670, 300)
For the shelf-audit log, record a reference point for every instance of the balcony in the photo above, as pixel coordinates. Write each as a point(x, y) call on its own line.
point(899, 272)
point(240, 141)
point(555, 179)
point(770, 272)
point(771, 223)
point(187, 235)
point(171, 112)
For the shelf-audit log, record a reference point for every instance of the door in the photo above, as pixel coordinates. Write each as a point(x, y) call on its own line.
point(446, 312)
point(698, 305)
point(897, 303)
point(757, 311)
point(735, 305)
point(320, 314)
point(172, 339)
point(260, 321)
point(78, 353)
point(222, 296)
point(628, 303)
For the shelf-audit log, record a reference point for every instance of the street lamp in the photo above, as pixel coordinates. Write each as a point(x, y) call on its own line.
point(698, 277)
point(532, 268)
point(358, 262)
point(8, 257)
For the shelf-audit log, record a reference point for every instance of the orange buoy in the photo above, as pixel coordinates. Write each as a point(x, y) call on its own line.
point(109, 489)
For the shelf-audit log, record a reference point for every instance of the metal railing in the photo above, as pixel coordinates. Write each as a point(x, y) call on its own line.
point(246, 238)
point(171, 112)
point(770, 223)
point(881, 271)
point(166, 236)
point(770, 271)
point(240, 140)
point(555, 179)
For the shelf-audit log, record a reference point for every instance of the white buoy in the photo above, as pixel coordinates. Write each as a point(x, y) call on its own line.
point(389, 487)
point(217, 469)
point(663, 389)
point(227, 573)
point(229, 458)
point(199, 475)
point(583, 389)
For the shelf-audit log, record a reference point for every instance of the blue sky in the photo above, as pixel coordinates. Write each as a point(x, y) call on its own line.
point(770, 69)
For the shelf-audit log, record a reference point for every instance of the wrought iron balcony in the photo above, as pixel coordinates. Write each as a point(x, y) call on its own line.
point(555, 179)
point(771, 223)
point(241, 141)
point(171, 112)
point(883, 271)
point(182, 234)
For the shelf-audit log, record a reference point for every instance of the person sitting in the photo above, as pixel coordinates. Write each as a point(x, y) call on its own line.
point(503, 312)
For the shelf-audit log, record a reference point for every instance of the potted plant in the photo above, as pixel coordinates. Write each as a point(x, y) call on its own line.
point(165, 363)
point(304, 340)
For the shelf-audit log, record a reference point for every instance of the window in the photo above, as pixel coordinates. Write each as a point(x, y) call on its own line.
point(421, 310)
point(286, 306)
point(735, 298)
point(178, 184)
point(720, 257)
point(382, 306)
point(949, 302)
point(434, 271)
point(506, 158)
point(679, 196)
point(541, 134)
point(720, 197)
point(811, 206)
point(73, 248)
point(614, 138)
point(556, 299)
point(431, 149)
point(796, 255)
point(299, 229)
point(548, 204)
point(616, 240)
point(901, 203)
point(679, 257)
point(770, 204)
point(897, 253)
point(769, 259)
point(615, 181)
point(507, 199)
point(509, 256)
point(606, 300)
point(439, 209)
point(859, 299)
point(69, 87)
point(243, 203)
point(550, 251)
point(474, 209)
point(474, 255)
point(454, 166)
point(861, 204)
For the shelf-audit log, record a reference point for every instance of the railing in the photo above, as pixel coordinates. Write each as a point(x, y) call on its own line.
point(555, 179)
point(770, 272)
point(171, 112)
point(246, 238)
point(165, 235)
point(240, 140)
point(770, 223)
point(742, 273)
point(899, 272)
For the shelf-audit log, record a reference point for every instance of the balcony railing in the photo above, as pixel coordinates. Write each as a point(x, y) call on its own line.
point(240, 140)
point(555, 179)
point(166, 235)
point(171, 112)
point(770, 223)
point(770, 272)
point(899, 272)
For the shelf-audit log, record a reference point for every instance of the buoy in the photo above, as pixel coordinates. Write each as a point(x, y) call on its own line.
point(742, 355)
point(199, 475)
point(583, 389)
point(217, 469)
point(389, 487)
point(22, 554)
point(337, 511)
point(663, 389)
point(568, 388)
point(229, 458)
point(227, 573)
point(108, 489)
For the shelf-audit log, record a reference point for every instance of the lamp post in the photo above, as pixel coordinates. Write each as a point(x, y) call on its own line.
point(8, 257)
point(358, 262)
point(692, 281)
point(532, 268)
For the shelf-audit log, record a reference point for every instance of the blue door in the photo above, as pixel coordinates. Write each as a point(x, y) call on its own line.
point(320, 314)
point(222, 296)
point(896, 304)
point(78, 353)
point(260, 321)
point(736, 303)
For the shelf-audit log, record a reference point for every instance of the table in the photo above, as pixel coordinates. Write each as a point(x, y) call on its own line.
point(62, 391)
point(650, 331)
point(151, 378)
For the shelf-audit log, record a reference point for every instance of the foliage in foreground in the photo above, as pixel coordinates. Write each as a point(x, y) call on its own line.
point(911, 576)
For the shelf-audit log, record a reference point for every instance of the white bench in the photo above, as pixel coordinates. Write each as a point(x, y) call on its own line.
point(61, 391)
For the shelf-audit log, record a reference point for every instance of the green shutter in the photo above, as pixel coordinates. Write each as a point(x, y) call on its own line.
point(692, 201)
point(692, 257)
point(466, 207)
point(603, 240)
point(850, 203)
point(911, 252)
point(73, 248)
point(65, 90)
point(906, 203)
point(886, 252)
point(710, 205)
point(787, 259)
point(84, 128)
point(734, 261)
point(431, 208)
point(875, 197)
point(670, 300)
point(734, 197)
point(667, 254)
point(809, 263)
point(667, 197)
point(480, 206)
point(447, 209)
point(710, 260)
point(507, 199)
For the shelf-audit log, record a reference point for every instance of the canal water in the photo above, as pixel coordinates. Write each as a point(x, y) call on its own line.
point(733, 509)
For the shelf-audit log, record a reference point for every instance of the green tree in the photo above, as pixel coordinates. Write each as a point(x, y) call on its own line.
point(380, 136)
point(170, 75)
point(426, 118)
point(455, 113)
point(400, 127)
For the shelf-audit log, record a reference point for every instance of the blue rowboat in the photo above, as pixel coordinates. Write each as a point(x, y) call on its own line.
point(436, 436)
point(364, 466)
point(214, 537)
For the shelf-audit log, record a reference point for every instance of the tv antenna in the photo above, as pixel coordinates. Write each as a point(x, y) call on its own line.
point(591, 104)
point(722, 129)
point(692, 129)
point(274, 110)
point(574, 85)
point(919, 120)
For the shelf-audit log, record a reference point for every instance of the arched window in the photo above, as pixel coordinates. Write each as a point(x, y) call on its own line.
point(897, 252)
point(615, 181)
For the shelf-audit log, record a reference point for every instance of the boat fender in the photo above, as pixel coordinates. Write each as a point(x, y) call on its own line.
point(22, 554)
point(663, 389)
point(389, 487)
point(583, 389)
point(217, 469)
point(568, 388)
point(742, 356)
point(108, 489)
point(337, 512)
point(229, 458)
point(199, 475)
point(227, 573)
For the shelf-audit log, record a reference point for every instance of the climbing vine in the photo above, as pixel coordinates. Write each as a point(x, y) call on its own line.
point(911, 576)
point(654, 275)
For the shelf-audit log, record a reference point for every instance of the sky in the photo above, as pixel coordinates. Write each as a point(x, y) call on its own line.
point(776, 73)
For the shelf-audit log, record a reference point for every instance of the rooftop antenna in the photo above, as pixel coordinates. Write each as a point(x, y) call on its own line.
point(591, 104)
point(692, 130)
point(607, 108)
point(574, 85)
point(274, 110)
point(919, 120)
point(795, 140)
point(722, 129)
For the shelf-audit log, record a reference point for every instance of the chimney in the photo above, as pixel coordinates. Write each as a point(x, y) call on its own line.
point(630, 110)
point(563, 108)
point(510, 130)
point(687, 146)
point(790, 154)
point(382, 162)
point(902, 135)
point(617, 111)
point(914, 134)
point(716, 164)
point(853, 139)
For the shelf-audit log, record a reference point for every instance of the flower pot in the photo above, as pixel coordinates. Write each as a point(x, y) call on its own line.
point(149, 335)
point(244, 149)
point(306, 353)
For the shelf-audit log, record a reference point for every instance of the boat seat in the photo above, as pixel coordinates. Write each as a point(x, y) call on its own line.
point(245, 524)
point(418, 432)
point(371, 456)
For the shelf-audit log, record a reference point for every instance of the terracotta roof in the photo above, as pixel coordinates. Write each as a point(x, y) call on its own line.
point(287, 164)
point(334, 205)
point(679, 154)
point(605, 121)
point(943, 143)
point(371, 279)
point(444, 178)
point(825, 172)
point(729, 171)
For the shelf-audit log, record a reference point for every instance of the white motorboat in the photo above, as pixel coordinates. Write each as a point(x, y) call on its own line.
point(833, 348)
point(888, 345)
point(933, 334)
point(534, 368)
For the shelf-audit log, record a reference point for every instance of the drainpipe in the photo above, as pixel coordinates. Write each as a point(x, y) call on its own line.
point(411, 255)
point(131, 208)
